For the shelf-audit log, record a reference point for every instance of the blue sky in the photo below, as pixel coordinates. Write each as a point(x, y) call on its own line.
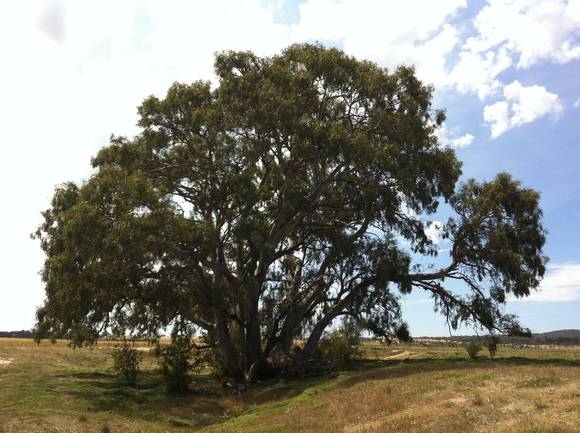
point(507, 72)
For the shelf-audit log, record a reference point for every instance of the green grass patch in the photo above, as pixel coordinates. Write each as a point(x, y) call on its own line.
point(477, 379)
point(255, 413)
point(540, 382)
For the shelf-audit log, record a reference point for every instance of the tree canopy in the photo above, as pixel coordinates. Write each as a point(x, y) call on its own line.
point(258, 210)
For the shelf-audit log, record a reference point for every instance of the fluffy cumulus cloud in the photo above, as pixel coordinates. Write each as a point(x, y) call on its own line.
point(52, 20)
point(476, 72)
point(506, 34)
point(451, 137)
point(532, 30)
point(516, 34)
point(464, 140)
point(561, 284)
point(521, 105)
point(410, 32)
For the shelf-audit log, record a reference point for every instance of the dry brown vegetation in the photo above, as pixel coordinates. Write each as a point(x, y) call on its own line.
point(52, 388)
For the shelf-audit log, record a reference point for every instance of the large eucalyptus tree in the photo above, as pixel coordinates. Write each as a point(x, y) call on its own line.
point(263, 208)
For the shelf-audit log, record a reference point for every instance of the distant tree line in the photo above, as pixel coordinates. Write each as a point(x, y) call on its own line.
point(16, 334)
point(567, 337)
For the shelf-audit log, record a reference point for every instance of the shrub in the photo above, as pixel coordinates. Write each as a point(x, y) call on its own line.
point(180, 360)
point(126, 361)
point(473, 348)
point(175, 363)
point(336, 350)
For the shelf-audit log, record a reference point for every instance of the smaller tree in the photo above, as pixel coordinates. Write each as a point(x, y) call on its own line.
point(492, 343)
point(473, 348)
point(351, 330)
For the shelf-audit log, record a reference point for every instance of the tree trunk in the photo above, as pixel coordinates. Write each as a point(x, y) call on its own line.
point(253, 348)
point(312, 342)
point(316, 334)
point(288, 332)
point(230, 358)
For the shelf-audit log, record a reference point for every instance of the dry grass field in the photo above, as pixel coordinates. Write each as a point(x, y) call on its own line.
point(52, 388)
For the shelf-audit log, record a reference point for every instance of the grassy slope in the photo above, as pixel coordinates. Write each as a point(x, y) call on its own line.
point(51, 388)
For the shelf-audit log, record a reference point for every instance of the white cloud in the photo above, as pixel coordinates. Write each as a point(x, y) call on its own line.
point(52, 20)
point(516, 32)
point(386, 32)
point(533, 30)
point(577, 103)
point(449, 137)
point(476, 72)
point(433, 231)
point(430, 57)
point(561, 284)
point(498, 117)
point(521, 105)
point(464, 140)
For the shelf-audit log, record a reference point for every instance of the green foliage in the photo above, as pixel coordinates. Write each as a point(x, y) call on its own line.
point(402, 333)
point(473, 348)
point(497, 242)
point(340, 346)
point(126, 361)
point(351, 330)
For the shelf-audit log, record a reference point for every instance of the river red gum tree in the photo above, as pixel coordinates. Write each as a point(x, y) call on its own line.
point(264, 208)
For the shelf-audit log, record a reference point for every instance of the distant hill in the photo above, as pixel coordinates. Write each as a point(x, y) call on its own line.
point(16, 334)
point(562, 333)
point(562, 336)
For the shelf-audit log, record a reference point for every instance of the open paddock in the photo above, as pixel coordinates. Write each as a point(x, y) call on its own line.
point(414, 388)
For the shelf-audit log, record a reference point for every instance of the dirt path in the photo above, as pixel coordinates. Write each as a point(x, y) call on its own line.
point(5, 361)
point(403, 355)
